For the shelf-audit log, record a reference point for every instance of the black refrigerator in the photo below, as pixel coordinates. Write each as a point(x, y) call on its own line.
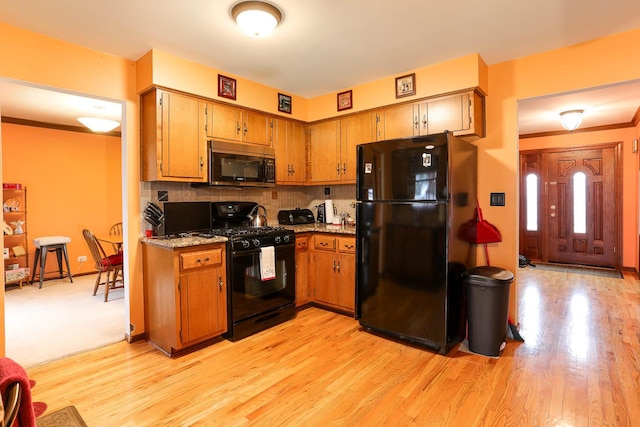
point(412, 197)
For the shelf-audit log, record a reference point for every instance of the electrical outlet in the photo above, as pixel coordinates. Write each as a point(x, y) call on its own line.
point(82, 258)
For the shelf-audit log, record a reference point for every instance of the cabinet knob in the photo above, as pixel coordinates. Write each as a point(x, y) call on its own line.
point(220, 283)
point(338, 267)
point(334, 266)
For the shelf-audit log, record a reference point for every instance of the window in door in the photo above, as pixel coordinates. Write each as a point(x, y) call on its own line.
point(579, 203)
point(532, 202)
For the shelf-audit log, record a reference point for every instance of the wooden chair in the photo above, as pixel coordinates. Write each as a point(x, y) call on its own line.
point(104, 263)
point(116, 230)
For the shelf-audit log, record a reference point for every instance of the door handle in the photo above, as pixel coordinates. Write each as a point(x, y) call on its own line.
point(553, 214)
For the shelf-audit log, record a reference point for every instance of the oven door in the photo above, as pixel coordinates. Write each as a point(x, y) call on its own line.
point(250, 296)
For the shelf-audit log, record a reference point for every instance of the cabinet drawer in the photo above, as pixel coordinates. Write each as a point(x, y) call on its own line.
point(302, 244)
point(197, 259)
point(347, 245)
point(325, 243)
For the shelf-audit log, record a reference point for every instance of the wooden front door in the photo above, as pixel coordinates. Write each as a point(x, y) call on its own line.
point(581, 206)
point(576, 207)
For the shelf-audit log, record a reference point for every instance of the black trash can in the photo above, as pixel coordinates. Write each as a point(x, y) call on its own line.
point(487, 290)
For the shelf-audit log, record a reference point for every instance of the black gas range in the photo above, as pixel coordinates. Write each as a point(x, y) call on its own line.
point(260, 270)
point(247, 238)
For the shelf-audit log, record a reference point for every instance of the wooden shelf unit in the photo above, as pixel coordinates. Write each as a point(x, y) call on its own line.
point(16, 266)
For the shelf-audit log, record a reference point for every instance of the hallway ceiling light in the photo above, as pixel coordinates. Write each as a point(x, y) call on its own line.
point(256, 18)
point(99, 124)
point(571, 119)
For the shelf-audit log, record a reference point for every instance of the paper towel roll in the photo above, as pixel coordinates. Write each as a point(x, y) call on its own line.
point(328, 211)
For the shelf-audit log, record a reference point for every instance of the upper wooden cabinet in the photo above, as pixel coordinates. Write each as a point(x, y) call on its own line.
point(173, 139)
point(325, 151)
point(235, 124)
point(333, 147)
point(289, 143)
point(461, 113)
point(354, 130)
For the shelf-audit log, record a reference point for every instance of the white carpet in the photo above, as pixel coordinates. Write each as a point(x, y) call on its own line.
point(60, 319)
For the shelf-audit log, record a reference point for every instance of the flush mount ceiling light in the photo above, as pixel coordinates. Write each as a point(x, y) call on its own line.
point(571, 119)
point(99, 124)
point(256, 18)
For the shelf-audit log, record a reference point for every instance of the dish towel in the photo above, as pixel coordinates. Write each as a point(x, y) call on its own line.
point(267, 263)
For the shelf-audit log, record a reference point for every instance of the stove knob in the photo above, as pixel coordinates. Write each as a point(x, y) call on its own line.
point(287, 238)
point(245, 244)
point(278, 240)
point(256, 242)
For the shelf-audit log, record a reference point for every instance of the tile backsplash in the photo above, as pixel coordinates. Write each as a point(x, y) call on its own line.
point(273, 199)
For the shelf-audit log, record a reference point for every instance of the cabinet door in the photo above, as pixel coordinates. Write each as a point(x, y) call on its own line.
point(291, 157)
point(201, 303)
point(223, 122)
point(280, 145)
point(297, 147)
point(302, 278)
point(183, 145)
point(255, 128)
point(325, 151)
point(354, 130)
point(451, 113)
point(326, 278)
point(400, 122)
point(346, 296)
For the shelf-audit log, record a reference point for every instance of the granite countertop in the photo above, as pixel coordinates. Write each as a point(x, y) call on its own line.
point(182, 242)
point(321, 228)
point(185, 242)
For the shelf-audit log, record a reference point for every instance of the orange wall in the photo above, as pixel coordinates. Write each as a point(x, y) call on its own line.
point(43, 61)
point(599, 62)
point(457, 74)
point(73, 182)
point(162, 69)
point(159, 68)
point(629, 177)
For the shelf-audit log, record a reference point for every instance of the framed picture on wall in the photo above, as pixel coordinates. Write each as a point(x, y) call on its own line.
point(406, 85)
point(226, 87)
point(345, 100)
point(284, 103)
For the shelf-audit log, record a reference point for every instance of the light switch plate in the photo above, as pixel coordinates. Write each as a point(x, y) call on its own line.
point(497, 199)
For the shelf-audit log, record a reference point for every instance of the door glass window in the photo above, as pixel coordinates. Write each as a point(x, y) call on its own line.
point(580, 203)
point(532, 202)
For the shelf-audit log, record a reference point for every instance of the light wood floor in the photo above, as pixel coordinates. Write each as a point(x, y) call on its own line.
point(579, 366)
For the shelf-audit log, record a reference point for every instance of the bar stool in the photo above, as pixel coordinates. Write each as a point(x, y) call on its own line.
point(50, 244)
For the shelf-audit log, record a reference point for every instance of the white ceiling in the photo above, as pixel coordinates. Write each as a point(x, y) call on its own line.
point(331, 45)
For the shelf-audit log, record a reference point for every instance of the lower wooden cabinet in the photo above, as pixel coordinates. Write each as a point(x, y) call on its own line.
point(333, 270)
point(185, 295)
point(303, 291)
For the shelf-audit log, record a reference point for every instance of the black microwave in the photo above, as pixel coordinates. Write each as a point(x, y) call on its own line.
point(238, 164)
